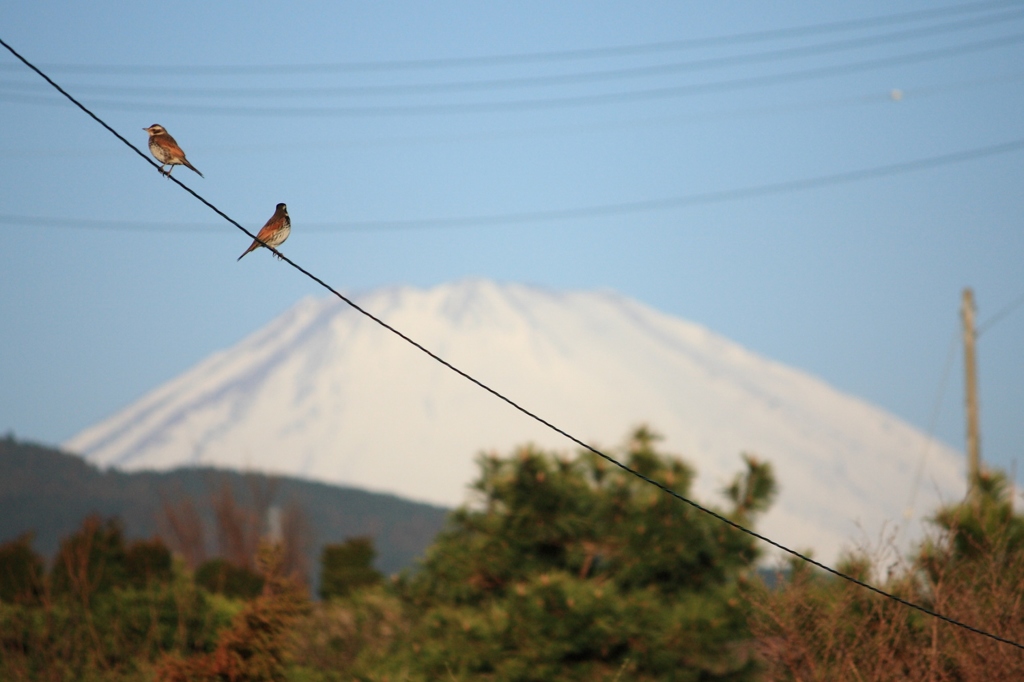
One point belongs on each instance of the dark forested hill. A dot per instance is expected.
(49, 493)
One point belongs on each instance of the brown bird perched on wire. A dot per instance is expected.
(274, 232)
(166, 150)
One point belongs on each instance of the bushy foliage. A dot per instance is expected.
(21, 572)
(569, 568)
(106, 611)
(220, 576)
(147, 562)
(95, 560)
(972, 570)
(90, 561)
(344, 639)
(347, 566)
(255, 647)
(563, 568)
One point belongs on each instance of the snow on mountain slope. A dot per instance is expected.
(324, 393)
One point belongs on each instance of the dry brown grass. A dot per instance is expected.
(972, 570)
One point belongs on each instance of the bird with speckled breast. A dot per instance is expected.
(274, 232)
(166, 150)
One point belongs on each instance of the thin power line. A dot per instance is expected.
(934, 417)
(545, 56)
(542, 103)
(565, 214)
(516, 405)
(933, 420)
(998, 317)
(564, 79)
(876, 97)
(111, 225)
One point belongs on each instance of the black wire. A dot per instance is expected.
(541, 103)
(560, 55)
(522, 409)
(163, 91)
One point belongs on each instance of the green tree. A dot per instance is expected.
(985, 528)
(114, 611)
(91, 560)
(148, 562)
(21, 571)
(346, 566)
(256, 646)
(571, 568)
(95, 559)
(220, 576)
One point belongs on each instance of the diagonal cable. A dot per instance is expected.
(1002, 313)
(523, 410)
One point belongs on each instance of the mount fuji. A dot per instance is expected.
(324, 393)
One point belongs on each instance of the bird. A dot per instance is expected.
(166, 150)
(274, 232)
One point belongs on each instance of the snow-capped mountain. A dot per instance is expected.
(324, 393)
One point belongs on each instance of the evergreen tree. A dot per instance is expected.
(21, 571)
(346, 566)
(570, 568)
(255, 647)
(220, 576)
(90, 561)
(148, 562)
(112, 611)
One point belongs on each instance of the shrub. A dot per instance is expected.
(90, 561)
(347, 566)
(21, 572)
(148, 562)
(818, 627)
(565, 568)
(255, 647)
(222, 577)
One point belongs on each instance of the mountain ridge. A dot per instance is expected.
(323, 392)
(48, 493)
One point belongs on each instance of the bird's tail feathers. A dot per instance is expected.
(251, 248)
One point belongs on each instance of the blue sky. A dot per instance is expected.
(418, 143)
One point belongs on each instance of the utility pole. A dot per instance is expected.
(971, 396)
